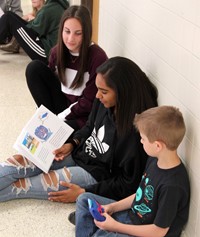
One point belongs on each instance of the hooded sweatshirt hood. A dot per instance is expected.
(63, 3)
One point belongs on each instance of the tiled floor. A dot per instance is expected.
(30, 218)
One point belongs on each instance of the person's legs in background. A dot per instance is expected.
(12, 24)
(45, 87)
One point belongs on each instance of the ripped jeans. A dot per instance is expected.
(19, 178)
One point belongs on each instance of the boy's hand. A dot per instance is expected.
(108, 209)
(108, 224)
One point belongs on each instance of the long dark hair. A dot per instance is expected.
(82, 14)
(134, 91)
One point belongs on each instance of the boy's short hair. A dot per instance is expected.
(163, 123)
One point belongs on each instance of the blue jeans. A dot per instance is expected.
(85, 222)
(19, 178)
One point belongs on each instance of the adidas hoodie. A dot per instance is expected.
(117, 163)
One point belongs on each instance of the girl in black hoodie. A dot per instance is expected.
(105, 157)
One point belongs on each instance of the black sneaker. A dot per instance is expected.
(71, 217)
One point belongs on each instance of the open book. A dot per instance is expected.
(43, 133)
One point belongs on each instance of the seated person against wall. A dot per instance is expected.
(38, 36)
(67, 86)
(104, 157)
(36, 6)
(160, 207)
(13, 6)
(13, 45)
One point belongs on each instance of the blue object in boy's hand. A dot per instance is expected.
(96, 209)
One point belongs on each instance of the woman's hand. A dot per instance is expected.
(68, 195)
(63, 151)
(28, 17)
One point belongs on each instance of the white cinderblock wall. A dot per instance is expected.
(163, 38)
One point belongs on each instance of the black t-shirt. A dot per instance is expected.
(162, 198)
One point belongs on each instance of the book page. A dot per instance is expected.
(44, 133)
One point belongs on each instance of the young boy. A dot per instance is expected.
(160, 206)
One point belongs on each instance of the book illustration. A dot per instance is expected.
(43, 133)
(30, 143)
(43, 117)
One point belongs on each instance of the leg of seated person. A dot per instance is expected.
(45, 87)
(17, 166)
(104, 233)
(10, 23)
(12, 46)
(5, 24)
(39, 186)
(83, 216)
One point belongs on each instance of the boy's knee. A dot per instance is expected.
(83, 198)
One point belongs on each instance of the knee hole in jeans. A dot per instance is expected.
(19, 161)
(21, 184)
(51, 179)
